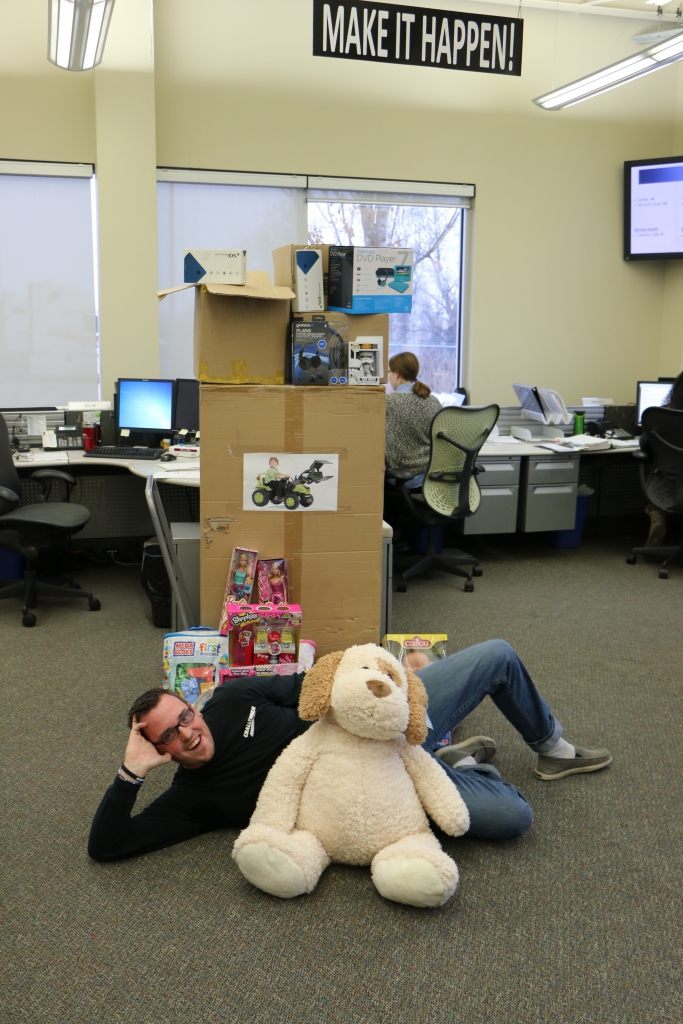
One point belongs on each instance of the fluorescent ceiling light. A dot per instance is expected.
(655, 57)
(77, 31)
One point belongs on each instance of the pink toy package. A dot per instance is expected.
(263, 640)
(240, 580)
(272, 581)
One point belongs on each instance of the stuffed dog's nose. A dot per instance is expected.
(378, 687)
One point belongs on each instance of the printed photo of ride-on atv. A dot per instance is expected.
(283, 489)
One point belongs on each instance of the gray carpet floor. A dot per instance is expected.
(578, 921)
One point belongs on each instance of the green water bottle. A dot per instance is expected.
(578, 422)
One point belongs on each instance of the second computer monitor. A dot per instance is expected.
(145, 405)
(186, 415)
(651, 392)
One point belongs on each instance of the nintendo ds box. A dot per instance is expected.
(221, 266)
(370, 280)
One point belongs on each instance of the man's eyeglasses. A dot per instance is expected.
(172, 734)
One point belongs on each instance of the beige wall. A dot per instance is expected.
(236, 87)
(552, 301)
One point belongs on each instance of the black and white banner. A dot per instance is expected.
(422, 36)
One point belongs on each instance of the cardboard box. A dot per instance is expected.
(334, 558)
(301, 268)
(240, 333)
(284, 262)
(370, 280)
(218, 266)
(358, 327)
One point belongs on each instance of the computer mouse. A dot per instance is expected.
(167, 457)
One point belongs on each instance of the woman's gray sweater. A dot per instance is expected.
(408, 421)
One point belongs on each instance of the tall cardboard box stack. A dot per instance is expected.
(240, 344)
(334, 557)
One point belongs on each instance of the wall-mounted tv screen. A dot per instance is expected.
(653, 209)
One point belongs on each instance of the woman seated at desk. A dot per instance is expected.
(411, 407)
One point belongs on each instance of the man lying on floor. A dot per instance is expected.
(226, 753)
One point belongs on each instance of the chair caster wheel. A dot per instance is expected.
(631, 559)
(94, 605)
(663, 574)
(29, 619)
(477, 570)
(469, 586)
(402, 587)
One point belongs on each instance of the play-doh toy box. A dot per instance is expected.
(192, 662)
(262, 640)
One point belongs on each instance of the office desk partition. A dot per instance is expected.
(114, 491)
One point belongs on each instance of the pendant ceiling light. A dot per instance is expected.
(77, 31)
(652, 59)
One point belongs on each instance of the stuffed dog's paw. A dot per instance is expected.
(280, 863)
(415, 871)
(271, 870)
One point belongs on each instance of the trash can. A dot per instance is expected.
(572, 538)
(156, 583)
(11, 565)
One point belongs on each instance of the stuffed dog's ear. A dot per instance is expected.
(316, 689)
(416, 733)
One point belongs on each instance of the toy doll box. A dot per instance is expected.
(417, 650)
(257, 640)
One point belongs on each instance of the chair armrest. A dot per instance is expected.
(7, 495)
(53, 474)
(399, 474)
(642, 456)
(45, 478)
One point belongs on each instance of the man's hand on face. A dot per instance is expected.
(141, 755)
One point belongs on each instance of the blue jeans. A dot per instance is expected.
(458, 684)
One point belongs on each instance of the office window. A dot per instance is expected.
(200, 215)
(48, 325)
(434, 228)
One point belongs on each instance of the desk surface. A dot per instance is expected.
(503, 449)
(185, 477)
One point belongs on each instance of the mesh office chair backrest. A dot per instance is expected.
(8, 474)
(663, 484)
(457, 434)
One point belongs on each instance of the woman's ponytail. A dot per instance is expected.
(407, 366)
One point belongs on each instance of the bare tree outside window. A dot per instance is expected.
(432, 330)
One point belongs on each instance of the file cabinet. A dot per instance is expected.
(499, 483)
(547, 499)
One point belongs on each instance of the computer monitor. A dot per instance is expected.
(186, 415)
(651, 392)
(145, 405)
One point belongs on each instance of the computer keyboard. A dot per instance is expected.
(122, 451)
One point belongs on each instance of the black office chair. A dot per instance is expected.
(31, 530)
(661, 476)
(450, 490)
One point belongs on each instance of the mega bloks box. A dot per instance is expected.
(192, 662)
(263, 639)
(370, 280)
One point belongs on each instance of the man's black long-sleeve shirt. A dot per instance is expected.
(221, 793)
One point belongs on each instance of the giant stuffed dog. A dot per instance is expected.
(354, 788)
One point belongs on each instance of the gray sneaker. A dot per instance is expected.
(481, 748)
(549, 768)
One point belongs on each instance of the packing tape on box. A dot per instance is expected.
(240, 375)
